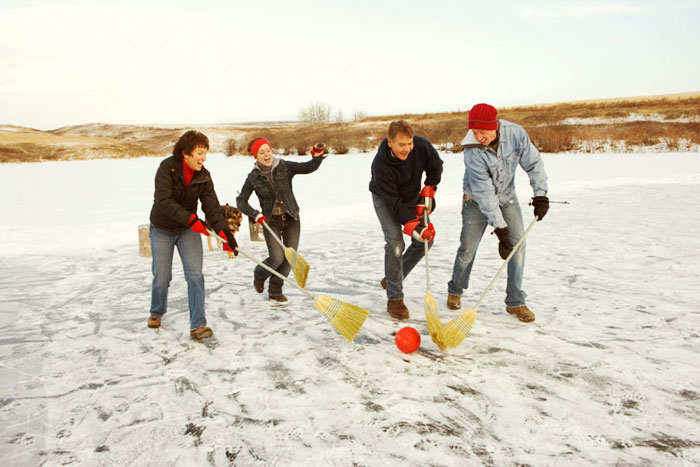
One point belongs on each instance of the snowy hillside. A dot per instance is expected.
(607, 374)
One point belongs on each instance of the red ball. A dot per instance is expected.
(407, 340)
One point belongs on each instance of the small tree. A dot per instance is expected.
(358, 115)
(315, 113)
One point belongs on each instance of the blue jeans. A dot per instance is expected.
(189, 246)
(288, 230)
(397, 263)
(473, 226)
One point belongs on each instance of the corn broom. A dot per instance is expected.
(432, 316)
(456, 330)
(347, 319)
(298, 263)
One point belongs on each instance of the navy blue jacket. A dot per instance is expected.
(398, 182)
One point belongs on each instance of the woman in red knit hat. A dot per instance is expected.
(271, 180)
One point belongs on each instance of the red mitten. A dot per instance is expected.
(319, 150)
(198, 225)
(417, 230)
(231, 244)
(260, 219)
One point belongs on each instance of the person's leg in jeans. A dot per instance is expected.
(473, 226)
(288, 230)
(189, 245)
(162, 247)
(274, 251)
(397, 263)
(515, 296)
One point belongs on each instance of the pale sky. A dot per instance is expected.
(213, 61)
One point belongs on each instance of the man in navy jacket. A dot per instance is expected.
(397, 172)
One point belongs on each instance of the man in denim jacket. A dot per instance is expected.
(493, 149)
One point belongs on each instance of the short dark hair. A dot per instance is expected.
(188, 142)
(400, 126)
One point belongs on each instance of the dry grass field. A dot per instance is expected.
(666, 123)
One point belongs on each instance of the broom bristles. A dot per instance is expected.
(299, 265)
(456, 330)
(347, 319)
(432, 318)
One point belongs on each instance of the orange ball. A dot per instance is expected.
(407, 340)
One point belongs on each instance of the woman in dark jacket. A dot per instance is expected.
(271, 180)
(181, 182)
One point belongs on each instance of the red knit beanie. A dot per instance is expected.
(483, 117)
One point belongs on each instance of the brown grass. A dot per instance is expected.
(445, 130)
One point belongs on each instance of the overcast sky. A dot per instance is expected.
(168, 62)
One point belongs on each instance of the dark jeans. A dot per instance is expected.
(397, 263)
(288, 230)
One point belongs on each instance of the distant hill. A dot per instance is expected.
(647, 123)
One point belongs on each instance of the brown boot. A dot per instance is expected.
(454, 302)
(397, 309)
(383, 283)
(259, 285)
(201, 333)
(280, 297)
(154, 322)
(522, 312)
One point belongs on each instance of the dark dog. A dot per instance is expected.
(233, 217)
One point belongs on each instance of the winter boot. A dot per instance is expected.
(201, 333)
(397, 309)
(154, 321)
(278, 297)
(522, 312)
(454, 302)
(259, 285)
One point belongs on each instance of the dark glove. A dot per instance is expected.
(426, 200)
(504, 244)
(541, 204)
(420, 232)
(231, 244)
(198, 225)
(259, 218)
(319, 150)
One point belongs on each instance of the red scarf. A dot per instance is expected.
(188, 172)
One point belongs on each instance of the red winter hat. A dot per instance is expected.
(483, 117)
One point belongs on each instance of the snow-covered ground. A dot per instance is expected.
(608, 374)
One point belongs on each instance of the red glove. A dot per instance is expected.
(231, 244)
(198, 225)
(260, 219)
(319, 150)
(426, 200)
(417, 230)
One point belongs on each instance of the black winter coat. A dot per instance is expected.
(174, 204)
(398, 182)
(282, 174)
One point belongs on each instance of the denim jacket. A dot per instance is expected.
(489, 177)
(282, 173)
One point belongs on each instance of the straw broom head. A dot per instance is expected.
(456, 330)
(345, 318)
(299, 266)
(432, 317)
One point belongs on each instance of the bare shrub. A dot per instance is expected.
(315, 113)
(358, 115)
(230, 147)
(556, 138)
